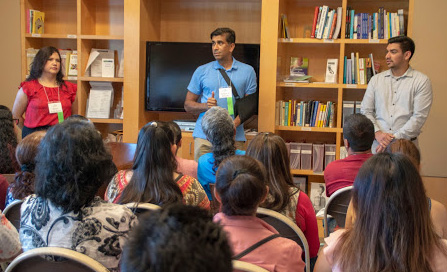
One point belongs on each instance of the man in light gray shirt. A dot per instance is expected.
(398, 100)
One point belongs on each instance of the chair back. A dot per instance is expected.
(9, 177)
(214, 204)
(287, 229)
(12, 213)
(244, 266)
(40, 259)
(141, 208)
(337, 207)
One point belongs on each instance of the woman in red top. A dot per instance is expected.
(44, 97)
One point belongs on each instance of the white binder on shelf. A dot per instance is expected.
(100, 100)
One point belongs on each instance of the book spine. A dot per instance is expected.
(314, 25)
(323, 19)
(338, 26)
(334, 22)
(400, 13)
(357, 68)
(351, 30)
(348, 22)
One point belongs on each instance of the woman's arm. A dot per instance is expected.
(20, 105)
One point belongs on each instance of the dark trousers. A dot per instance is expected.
(27, 130)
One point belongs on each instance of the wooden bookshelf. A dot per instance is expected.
(300, 15)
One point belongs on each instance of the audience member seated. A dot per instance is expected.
(153, 178)
(358, 136)
(241, 185)
(393, 230)
(71, 164)
(26, 152)
(219, 129)
(438, 211)
(284, 197)
(3, 191)
(184, 166)
(175, 239)
(9, 240)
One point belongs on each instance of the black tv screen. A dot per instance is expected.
(170, 65)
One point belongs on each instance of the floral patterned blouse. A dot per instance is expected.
(99, 230)
(9, 239)
(193, 193)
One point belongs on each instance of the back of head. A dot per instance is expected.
(241, 185)
(26, 153)
(406, 43)
(407, 148)
(77, 117)
(177, 238)
(8, 141)
(270, 149)
(358, 130)
(175, 128)
(388, 193)
(218, 127)
(230, 34)
(153, 169)
(71, 164)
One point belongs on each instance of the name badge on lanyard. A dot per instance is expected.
(227, 93)
(56, 107)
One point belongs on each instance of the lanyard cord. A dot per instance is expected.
(58, 95)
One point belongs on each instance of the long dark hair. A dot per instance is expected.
(393, 230)
(39, 62)
(271, 150)
(241, 184)
(26, 152)
(153, 168)
(8, 142)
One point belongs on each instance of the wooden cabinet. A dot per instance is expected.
(186, 151)
(275, 63)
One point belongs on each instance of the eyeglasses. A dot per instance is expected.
(16, 121)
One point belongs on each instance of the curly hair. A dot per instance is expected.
(26, 152)
(218, 127)
(8, 142)
(72, 163)
(153, 168)
(39, 62)
(177, 238)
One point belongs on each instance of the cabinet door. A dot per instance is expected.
(187, 149)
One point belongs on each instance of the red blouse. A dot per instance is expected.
(37, 113)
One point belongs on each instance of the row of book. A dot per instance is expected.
(310, 156)
(359, 70)
(379, 25)
(326, 23)
(35, 21)
(305, 113)
(69, 60)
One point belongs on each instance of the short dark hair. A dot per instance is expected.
(177, 238)
(71, 164)
(241, 183)
(406, 43)
(359, 131)
(229, 33)
(40, 61)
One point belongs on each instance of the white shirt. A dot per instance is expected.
(398, 105)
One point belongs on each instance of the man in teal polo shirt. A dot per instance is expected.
(208, 88)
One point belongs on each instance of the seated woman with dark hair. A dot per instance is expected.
(26, 152)
(71, 164)
(393, 230)
(284, 197)
(153, 178)
(241, 185)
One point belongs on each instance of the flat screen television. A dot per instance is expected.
(170, 65)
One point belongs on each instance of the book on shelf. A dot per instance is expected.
(65, 54)
(338, 24)
(30, 55)
(297, 79)
(299, 66)
(314, 24)
(35, 21)
(348, 109)
(73, 64)
(284, 27)
(359, 70)
(94, 67)
(305, 113)
(331, 71)
(322, 22)
(318, 197)
(358, 107)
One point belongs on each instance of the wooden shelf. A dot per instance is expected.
(106, 121)
(308, 85)
(103, 79)
(308, 40)
(354, 86)
(309, 129)
(51, 36)
(365, 41)
(305, 172)
(101, 37)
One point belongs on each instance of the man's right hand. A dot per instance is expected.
(211, 102)
(384, 139)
